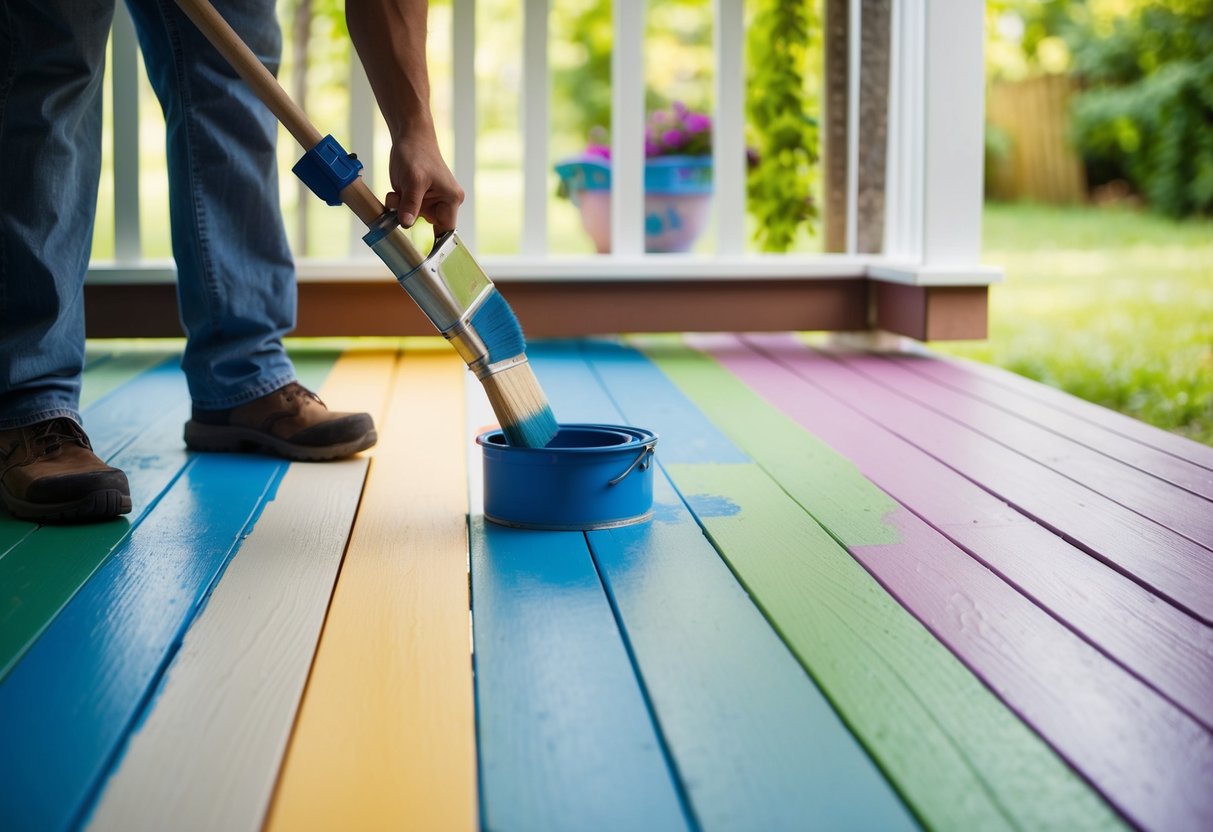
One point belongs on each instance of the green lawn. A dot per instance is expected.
(1113, 305)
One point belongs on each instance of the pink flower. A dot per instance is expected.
(600, 151)
(698, 123)
(672, 138)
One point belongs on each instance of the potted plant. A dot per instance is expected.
(677, 181)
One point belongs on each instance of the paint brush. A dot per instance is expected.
(449, 286)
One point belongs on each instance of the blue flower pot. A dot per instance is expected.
(677, 197)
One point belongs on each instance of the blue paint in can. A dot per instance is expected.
(588, 477)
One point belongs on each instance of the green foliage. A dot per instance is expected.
(1147, 112)
(781, 130)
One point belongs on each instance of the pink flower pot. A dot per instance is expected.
(672, 222)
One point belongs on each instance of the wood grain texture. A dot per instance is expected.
(566, 738)
(67, 706)
(385, 737)
(1108, 419)
(1180, 472)
(1073, 696)
(1166, 504)
(755, 743)
(207, 755)
(958, 756)
(1165, 562)
(1162, 645)
(103, 376)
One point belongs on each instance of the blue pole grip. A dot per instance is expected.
(327, 169)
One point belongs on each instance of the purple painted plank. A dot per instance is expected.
(1154, 767)
(1110, 420)
(1180, 472)
(1164, 503)
(1170, 565)
(1163, 646)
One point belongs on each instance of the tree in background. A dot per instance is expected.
(1145, 113)
(1148, 105)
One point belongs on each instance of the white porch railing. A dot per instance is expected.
(934, 159)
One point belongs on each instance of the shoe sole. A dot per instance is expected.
(105, 504)
(235, 440)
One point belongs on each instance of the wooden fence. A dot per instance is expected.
(1039, 164)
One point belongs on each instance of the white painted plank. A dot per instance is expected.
(207, 756)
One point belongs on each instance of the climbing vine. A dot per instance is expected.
(781, 130)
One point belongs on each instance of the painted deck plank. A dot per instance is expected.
(1166, 504)
(385, 737)
(66, 707)
(755, 743)
(1165, 466)
(1163, 561)
(231, 694)
(1162, 645)
(104, 376)
(1075, 697)
(956, 753)
(1106, 418)
(43, 567)
(566, 738)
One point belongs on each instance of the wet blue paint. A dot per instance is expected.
(711, 505)
(66, 707)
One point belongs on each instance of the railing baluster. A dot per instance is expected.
(854, 68)
(728, 126)
(463, 109)
(128, 245)
(363, 115)
(627, 129)
(535, 126)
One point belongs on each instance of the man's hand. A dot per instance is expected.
(422, 184)
(390, 38)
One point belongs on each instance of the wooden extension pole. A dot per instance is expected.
(356, 196)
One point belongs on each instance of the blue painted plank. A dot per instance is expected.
(784, 760)
(564, 737)
(67, 706)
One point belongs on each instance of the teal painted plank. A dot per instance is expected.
(564, 737)
(66, 707)
(755, 742)
(959, 757)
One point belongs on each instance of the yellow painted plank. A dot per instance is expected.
(386, 735)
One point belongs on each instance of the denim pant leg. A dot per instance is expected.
(52, 54)
(235, 272)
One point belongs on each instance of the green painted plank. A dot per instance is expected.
(958, 755)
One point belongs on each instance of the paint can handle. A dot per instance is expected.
(641, 462)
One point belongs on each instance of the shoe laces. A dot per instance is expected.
(51, 435)
(295, 390)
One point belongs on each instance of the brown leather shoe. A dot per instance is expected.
(49, 473)
(291, 422)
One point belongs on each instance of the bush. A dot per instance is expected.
(1148, 105)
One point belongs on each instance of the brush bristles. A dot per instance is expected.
(521, 407)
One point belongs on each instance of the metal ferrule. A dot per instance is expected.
(483, 370)
(448, 285)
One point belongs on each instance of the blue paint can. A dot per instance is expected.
(587, 477)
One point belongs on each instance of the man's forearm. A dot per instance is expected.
(390, 38)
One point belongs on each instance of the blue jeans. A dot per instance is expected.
(235, 272)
